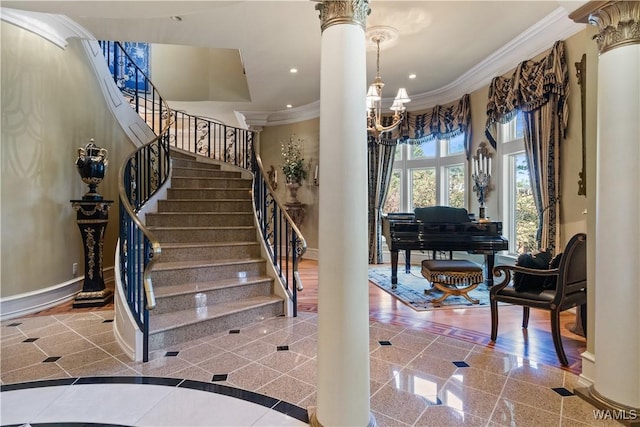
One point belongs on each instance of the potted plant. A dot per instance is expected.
(293, 166)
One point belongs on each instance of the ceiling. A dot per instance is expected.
(453, 47)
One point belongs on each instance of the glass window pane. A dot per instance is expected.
(524, 211)
(398, 154)
(424, 150)
(455, 185)
(454, 145)
(423, 188)
(519, 125)
(392, 203)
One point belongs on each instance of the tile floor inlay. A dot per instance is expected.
(417, 376)
(562, 391)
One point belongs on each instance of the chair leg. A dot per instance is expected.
(557, 340)
(494, 319)
(583, 318)
(525, 317)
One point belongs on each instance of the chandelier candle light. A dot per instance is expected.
(481, 174)
(375, 126)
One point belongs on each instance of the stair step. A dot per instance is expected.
(199, 219)
(175, 272)
(198, 294)
(188, 163)
(173, 328)
(201, 172)
(210, 250)
(194, 205)
(209, 193)
(204, 234)
(208, 182)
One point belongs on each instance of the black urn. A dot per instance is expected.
(92, 164)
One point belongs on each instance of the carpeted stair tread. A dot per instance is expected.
(194, 287)
(181, 265)
(176, 319)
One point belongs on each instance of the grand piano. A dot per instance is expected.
(441, 228)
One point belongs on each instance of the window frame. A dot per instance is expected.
(509, 145)
(440, 162)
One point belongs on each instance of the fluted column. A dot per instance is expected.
(617, 254)
(343, 302)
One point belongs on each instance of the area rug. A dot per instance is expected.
(411, 290)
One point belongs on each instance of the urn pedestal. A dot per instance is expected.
(92, 217)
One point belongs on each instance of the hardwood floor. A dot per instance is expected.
(473, 324)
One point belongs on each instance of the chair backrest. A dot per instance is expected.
(573, 268)
(442, 214)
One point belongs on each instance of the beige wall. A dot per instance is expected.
(270, 144)
(51, 105)
(189, 73)
(572, 205)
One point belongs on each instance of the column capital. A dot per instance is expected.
(618, 22)
(334, 12)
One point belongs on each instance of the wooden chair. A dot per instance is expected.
(570, 291)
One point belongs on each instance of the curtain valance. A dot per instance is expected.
(441, 122)
(530, 87)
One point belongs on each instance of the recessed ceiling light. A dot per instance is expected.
(412, 76)
(293, 70)
(289, 105)
(176, 18)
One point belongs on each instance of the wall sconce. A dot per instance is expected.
(272, 174)
(316, 177)
(481, 174)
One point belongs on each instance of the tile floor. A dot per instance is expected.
(265, 374)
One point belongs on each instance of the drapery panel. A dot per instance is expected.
(380, 169)
(438, 123)
(540, 90)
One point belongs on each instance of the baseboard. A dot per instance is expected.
(32, 302)
(586, 378)
(311, 254)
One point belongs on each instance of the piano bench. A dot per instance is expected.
(453, 277)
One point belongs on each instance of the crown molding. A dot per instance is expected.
(533, 41)
(54, 28)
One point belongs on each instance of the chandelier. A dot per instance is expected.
(375, 126)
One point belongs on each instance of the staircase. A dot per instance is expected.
(210, 276)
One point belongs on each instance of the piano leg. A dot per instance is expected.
(407, 262)
(394, 268)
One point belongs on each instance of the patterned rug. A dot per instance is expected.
(411, 290)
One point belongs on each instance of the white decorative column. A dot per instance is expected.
(343, 297)
(617, 252)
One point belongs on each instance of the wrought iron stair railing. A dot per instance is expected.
(147, 169)
(141, 175)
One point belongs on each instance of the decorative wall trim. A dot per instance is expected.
(55, 28)
(533, 41)
(32, 302)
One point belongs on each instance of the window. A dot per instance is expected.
(519, 214)
(428, 174)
